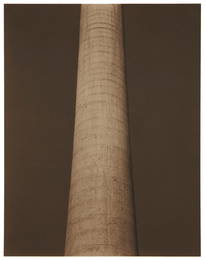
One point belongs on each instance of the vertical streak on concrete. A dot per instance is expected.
(101, 212)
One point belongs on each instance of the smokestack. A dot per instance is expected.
(101, 218)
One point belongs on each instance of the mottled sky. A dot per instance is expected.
(162, 47)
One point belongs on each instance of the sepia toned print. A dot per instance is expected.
(102, 130)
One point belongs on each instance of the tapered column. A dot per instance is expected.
(101, 213)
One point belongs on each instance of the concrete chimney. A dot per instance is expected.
(101, 218)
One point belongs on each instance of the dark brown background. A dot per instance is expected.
(162, 44)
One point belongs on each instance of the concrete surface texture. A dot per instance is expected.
(101, 218)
